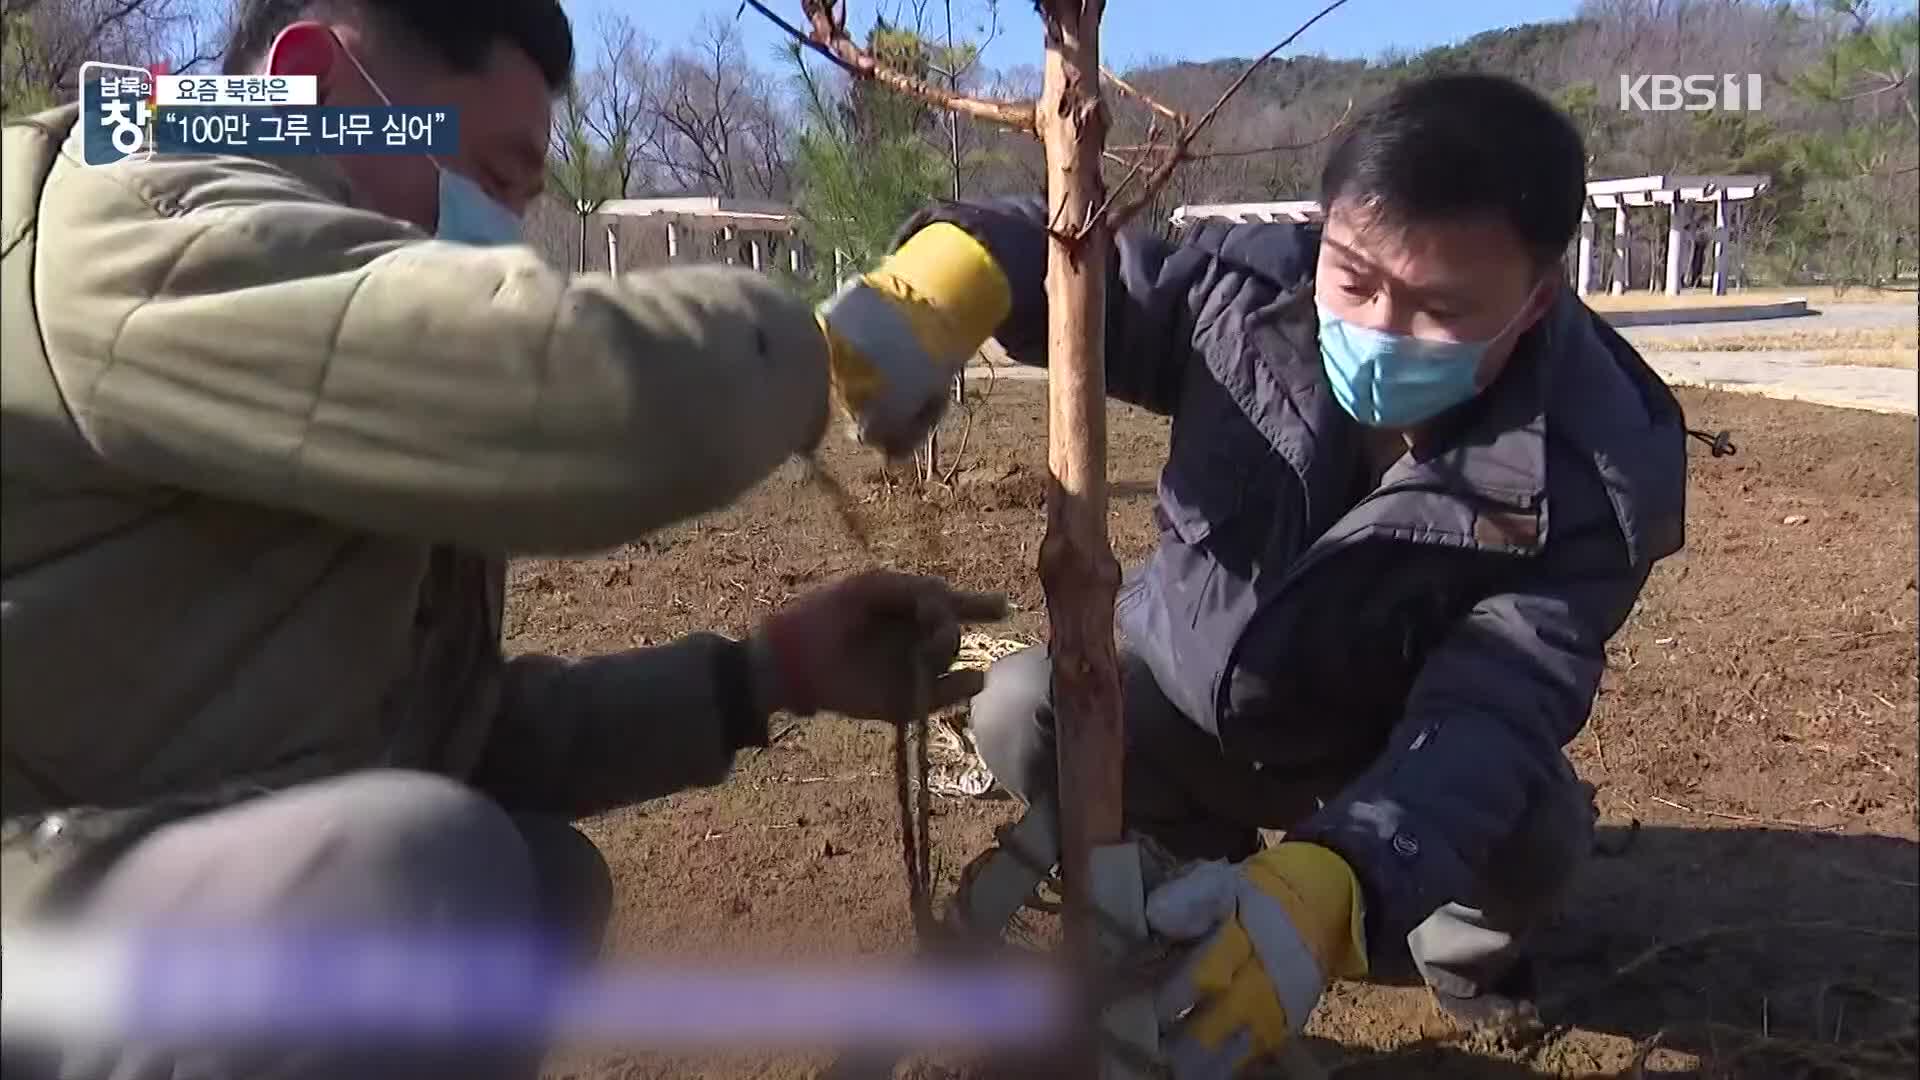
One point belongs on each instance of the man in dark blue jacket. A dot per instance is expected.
(1414, 485)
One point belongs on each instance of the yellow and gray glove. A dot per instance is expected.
(1273, 930)
(898, 335)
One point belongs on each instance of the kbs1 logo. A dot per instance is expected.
(1691, 93)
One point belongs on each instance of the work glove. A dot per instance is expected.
(898, 335)
(877, 646)
(1272, 931)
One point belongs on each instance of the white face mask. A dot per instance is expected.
(467, 214)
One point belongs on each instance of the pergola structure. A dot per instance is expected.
(1684, 197)
(1298, 211)
(691, 218)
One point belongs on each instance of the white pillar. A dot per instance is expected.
(1654, 283)
(726, 243)
(839, 267)
(1620, 263)
(673, 242)
(1737, 248)
(793, 256)
(1676, 243)
(1583, 270)
(754, 251)
(1720, 242)
(613, 252)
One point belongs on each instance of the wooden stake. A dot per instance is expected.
(1077, 567)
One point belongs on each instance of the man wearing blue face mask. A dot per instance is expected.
(1414, 485)
(273, 427)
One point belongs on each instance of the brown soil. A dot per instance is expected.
(1753, 746)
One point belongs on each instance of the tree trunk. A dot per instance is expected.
(953, 161)
(1077, 568)
(583, 241)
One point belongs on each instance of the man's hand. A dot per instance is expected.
(876, 646)
(1276, 928)
(897, 336)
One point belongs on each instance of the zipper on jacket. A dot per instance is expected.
(1318, 552)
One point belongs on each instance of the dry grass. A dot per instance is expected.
(1880, 346)
(956, 769)
(978, 651)
(1812, 294)
(1881, 358)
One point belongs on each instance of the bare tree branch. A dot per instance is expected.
(715, 123)
(1149, 169)
(1165, 171)
(65, 34)
(829, 36)
(1126, 181)
(65, 60)
(801, 36)
(1179, 119)
(618, 94)
(1884, 88)
(205, 55)
(119, 13)
(1252, 151)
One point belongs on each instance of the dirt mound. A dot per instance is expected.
(1753, 747)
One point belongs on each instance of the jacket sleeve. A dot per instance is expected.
(244, 337)
(576, 737)
(1163, 299)
(1480, 745)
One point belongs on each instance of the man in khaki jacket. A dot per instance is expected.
(268, 443)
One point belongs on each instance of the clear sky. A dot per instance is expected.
(1135, 29)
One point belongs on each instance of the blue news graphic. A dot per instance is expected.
(119, 119)
(214, 983)
(115, 110)
(307, 129)
(507, 987)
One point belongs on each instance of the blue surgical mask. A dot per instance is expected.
(1395, 381)
(467, 214)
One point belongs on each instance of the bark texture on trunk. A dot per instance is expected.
(1077, 568)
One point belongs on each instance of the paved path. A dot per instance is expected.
(1789, 376)
(1793, 376)
(1823, 317)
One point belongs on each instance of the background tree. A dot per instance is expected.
(20, 93)
(861, 167)
(584, 171)
(1853, 218)
(1837, 127)
(868, 156)
(44, 42)
(616, 102)
(721, 128)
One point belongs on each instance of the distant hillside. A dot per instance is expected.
(1842, 204)
(1522, 52)
(1836, 133)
